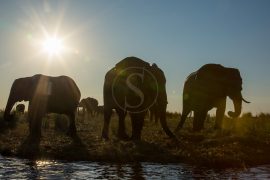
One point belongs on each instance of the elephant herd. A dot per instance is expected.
(135, 87)
(90, 107)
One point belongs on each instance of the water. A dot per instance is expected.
(13, 168)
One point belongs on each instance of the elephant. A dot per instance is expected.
(100, 110)
(133, 86)
(45, 94)
(89, 106)
(208, 88)
(154, 113)
(20, 108)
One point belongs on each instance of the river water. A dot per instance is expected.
(13, 168)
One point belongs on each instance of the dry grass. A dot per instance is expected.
(243, 142)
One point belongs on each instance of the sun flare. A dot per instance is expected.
(53, 46)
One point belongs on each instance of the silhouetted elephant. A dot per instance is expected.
(154, 113)
(208, 88)
(89, 106)
(20, 108)
(134, 86)
(45, 95)
(100, 110)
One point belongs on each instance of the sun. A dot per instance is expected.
(53, 46)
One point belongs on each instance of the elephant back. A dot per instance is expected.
(216, 74)
(211, 72)
(92, 102)
(131, 62)
(212, 76)
(134, 81)
(206, 83)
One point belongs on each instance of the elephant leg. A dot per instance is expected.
(83, 111)
(90, 113)
(72, 131)
(35, 121)
(151, 116)
(137, 120)
(156, 116)
(107, 117)
(182, 119)
(85, 116)
(220, 113)
(93, 113)
(199, 118)
(78, 112)
(35, 128)
(121, 127)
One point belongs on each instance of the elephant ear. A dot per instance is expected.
(159, 74)
(234, 79)
(161, 83)
(212, 79)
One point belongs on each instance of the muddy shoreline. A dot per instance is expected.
(207, 148)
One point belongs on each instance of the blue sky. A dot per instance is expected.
(179, 36)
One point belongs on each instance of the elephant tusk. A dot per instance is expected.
(245, 100)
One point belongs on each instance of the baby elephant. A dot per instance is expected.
(20, 108)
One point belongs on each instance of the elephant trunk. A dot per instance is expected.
(237, 107)
(8, 108)
(163, 123)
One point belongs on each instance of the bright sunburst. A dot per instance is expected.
(53, 46)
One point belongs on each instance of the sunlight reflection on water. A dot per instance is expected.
(13, 168)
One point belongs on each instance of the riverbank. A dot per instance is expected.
(243, 143)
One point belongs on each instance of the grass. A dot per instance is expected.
(242, 142)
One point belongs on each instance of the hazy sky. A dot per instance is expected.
(179, 36)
